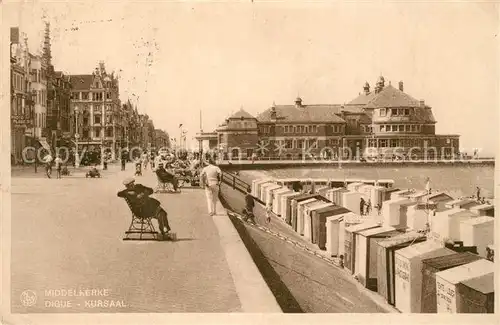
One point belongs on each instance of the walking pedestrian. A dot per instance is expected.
(211, 177)
(58, 163)
(48, 165)
(249, 205)
(368, 207)
(123, 159)
(152, 160)
(362, 204)
(105, 161)
(478, 193)
(145, 159)
(379, 208)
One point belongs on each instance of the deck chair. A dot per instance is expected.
(164, 187)
(140, 226)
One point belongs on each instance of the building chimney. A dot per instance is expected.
(298, 102)
(380, 84)
(401, 86)
(273, 112)
(366, 88)
(422, 103)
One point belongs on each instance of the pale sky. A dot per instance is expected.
(218, 57)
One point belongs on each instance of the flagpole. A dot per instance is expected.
(428, 189)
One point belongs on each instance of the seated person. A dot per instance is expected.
(144, 206)
(166, 177)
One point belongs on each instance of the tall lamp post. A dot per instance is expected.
(33, 97)
(175, 143)
(184, 139)
(104, 116)
(77, 136)
(103, 129)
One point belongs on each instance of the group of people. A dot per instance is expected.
(365, 207)
(145, 206)
(50, 162)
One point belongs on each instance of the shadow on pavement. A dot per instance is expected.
(283, 296)
(184, 239)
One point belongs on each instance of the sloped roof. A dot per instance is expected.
(305, 113)
(81, 81)
(241, 114)
(452, 260)
(484, 283)
(353, 109)
(362, 99)
(392, 97)
(424, 115)
(467, 271)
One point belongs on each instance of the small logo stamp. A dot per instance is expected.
(28, 298)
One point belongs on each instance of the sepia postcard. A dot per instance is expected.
(176, 162)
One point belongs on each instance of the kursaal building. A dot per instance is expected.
(385, 122)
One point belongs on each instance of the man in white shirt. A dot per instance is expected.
(210, 178)
(58, 163)
(48, 164)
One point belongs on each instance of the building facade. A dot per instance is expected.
(59, 109)
(38, 77)
(383, 123)
(207, 141)
(131, 126)
(97, 111)
(238, 135)
(21, 105)
(82, 112)
(161, 140)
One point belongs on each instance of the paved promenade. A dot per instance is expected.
(67, 235)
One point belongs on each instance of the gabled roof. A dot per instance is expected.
(392, 97)
(241, 114)
(81, 81)
(362, 99)
(305, 113)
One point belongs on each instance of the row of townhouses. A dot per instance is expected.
(51, 109)
(384, 119)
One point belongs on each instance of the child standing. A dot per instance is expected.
(58, 164)
(269, 209)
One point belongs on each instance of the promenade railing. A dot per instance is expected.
(235, 182)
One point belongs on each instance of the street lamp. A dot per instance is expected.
(175, 143)
(77, 136)
(183, 143)
(34, 120)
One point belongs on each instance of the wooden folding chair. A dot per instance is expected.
(143, 226)
(163, 187)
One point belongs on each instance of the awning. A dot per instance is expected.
(44, 144)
